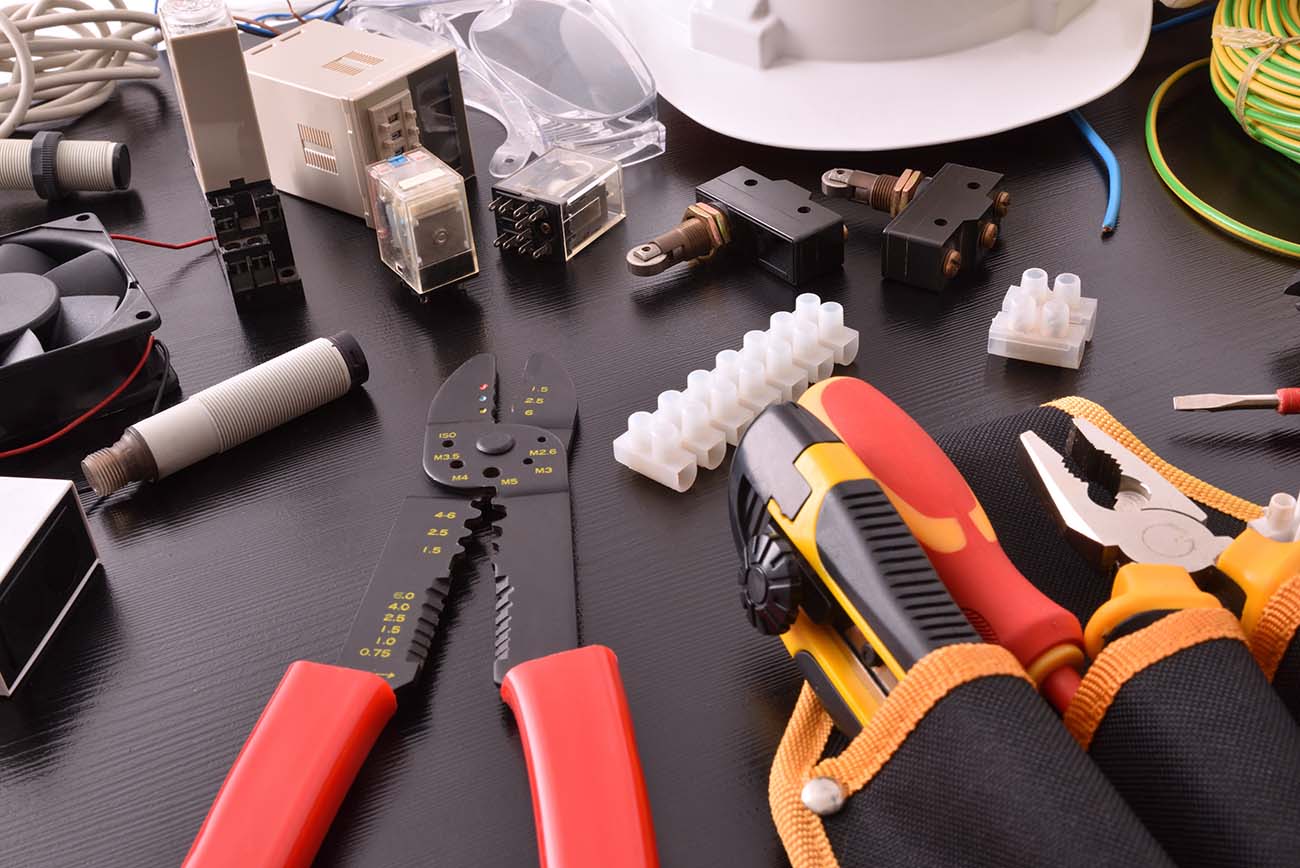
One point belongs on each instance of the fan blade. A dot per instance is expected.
(20, 257)
(91, 273)
(81, 315)
(26, 346)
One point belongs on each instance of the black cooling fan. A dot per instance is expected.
(73, 324)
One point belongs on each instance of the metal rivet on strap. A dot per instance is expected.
(823, 796)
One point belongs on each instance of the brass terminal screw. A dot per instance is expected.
(989, 236)
(1001, 203)
(951, 264)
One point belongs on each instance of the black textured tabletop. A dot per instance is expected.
(221, 576)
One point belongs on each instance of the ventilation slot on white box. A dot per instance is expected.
(353, 63)
(317, 149)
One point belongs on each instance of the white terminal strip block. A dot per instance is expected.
(1281, 519)
(691, 429)
(1050, 327)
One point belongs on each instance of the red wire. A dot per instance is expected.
(31, 447)
(135, 239)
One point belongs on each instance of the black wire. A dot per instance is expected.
(162, 384)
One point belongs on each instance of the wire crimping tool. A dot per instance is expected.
(1167, 558)
(589, 799)
(831, 567)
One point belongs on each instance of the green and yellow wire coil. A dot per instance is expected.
(1255, 71)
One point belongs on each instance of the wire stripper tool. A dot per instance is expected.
(830, 565)
(508, 480)
(1154, 537)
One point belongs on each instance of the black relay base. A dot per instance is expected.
(249, 225)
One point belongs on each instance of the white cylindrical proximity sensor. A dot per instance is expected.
(229, 413)
(53, 166)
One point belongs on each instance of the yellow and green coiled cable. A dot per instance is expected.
(1270, 110)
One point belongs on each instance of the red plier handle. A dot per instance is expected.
(589, 799)
(289, 779)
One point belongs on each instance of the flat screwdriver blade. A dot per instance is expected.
(1216, 402)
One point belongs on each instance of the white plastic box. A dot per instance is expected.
(332, 100)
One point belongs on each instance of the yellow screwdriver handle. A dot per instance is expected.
(1258, 565)
(1139, 589)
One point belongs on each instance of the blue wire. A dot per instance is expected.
(256, 31)
(1103, 151)
(325, 16)
(1107, 156)
(1194, 15)
(328, 16)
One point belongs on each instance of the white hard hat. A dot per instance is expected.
(865, 75)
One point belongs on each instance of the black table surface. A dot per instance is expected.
(221, 576)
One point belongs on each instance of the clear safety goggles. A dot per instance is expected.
(553, 73)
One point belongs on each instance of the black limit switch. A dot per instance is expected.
(772, 223)
(943, 226)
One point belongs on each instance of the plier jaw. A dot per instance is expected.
(515, 472)
(1151, 520)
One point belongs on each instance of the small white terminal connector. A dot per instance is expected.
(1281, 519)
(691, 428)
(1050, 327)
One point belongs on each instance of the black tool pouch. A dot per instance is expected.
(963, 765)
(1179, 716)
(1175, 750)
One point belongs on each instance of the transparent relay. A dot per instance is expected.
(422, 220)
(557, 205)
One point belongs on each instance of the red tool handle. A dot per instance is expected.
(589, 800)
(1001, 603)
(1288, 401)
(290, 778)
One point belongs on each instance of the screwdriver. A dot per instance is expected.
(946, 518)
(1284, 401)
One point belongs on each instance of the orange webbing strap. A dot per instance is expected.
(929, 681)
(800, 829)
(1196, 489)
(1129, 655)
(1276, 627)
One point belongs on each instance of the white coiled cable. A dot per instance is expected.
(54, 78)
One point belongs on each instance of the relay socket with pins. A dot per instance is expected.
(557, 205)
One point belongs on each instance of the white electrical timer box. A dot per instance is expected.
(332, 100)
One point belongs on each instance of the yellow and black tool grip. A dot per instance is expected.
(874, 562)
(865, 578)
